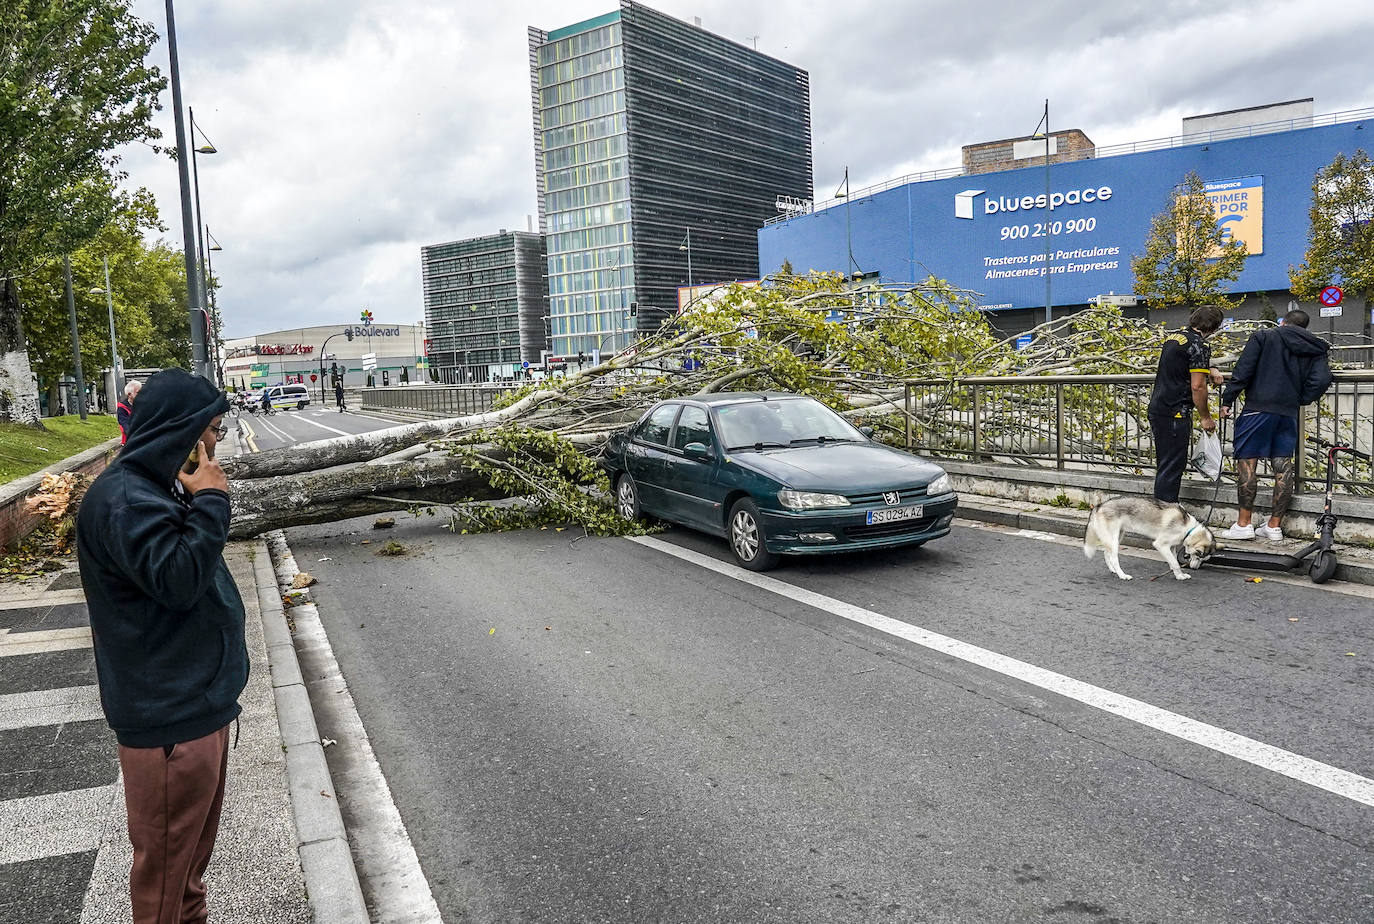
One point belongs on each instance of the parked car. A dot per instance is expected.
(775, 474)
(288, 396)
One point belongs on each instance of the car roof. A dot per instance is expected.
(739, 397)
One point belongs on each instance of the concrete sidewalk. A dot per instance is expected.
(64, 848)
(1356, 563)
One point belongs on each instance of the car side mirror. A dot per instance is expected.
(698, 452)
(866, 431)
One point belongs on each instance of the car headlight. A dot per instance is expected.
(941, 485)
(810, 500)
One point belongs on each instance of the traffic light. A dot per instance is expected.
(581, 358)
(348, 333)
(634, 309)
(334, 369)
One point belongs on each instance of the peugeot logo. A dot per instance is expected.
(892, 498)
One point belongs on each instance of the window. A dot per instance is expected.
(694, 426)
(655, 429)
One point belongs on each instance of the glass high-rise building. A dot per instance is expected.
(646, 128)
(485, 305)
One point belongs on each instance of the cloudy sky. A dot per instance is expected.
(351, 133)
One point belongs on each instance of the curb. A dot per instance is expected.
(1065, 525)
(331, 880)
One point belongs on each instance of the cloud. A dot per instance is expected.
(351, 134)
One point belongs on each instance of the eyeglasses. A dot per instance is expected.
(221, 432)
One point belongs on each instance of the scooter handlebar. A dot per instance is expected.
(1338, 447)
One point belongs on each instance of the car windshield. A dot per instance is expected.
(782, 422)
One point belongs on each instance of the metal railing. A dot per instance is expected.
(1101, 422)
(445, 400)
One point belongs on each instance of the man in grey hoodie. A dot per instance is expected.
(1280, 370)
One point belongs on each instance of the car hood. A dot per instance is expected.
(840, 468)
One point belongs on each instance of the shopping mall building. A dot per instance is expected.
(285, 356)
(1020, 232)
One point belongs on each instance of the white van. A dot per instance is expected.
(288, 396)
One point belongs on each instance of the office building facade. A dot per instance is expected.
(648, 131)
(486, 305)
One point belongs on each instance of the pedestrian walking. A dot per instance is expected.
(1280, 370)
(124, 410)
(339, 396)
(167, 624)
(1185, 365)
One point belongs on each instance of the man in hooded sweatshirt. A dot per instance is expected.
(1280, 369)
(168, 628)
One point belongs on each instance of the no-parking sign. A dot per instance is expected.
(1330, 299)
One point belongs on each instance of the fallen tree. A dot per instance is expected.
(853, 349)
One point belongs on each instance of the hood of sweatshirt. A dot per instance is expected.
(1301, 342)
(170, 414)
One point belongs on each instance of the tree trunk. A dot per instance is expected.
(321, 497)
(347, 450)
(18, 389)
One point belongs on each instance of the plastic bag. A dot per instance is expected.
(1207, 455)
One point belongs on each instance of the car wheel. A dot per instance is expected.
(300, 406)
(746, 537)
(627, 499)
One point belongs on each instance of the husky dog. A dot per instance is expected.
(1169, 526)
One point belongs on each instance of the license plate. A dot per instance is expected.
(894, 514)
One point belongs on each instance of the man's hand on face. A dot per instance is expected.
(207, 475)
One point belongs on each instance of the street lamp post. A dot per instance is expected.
(114, 347)
(199, 363)
(687, 246)
(76, 336)
(214, 310)
(1045, 119)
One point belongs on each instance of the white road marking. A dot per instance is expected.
(383, 853)
(49, 707)
(40, 597)
(315, 423)
(1292, 578)
(1294, 766)
(276, 431)
(22, 643)
(54, 824)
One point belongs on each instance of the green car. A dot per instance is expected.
(775, 474)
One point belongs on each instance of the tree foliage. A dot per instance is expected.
(74, 86)
(1340, 240)
(148, 286)
(1188, 259)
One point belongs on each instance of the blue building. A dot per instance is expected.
(991, 232)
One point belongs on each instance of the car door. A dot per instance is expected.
(646, 454)
(691, 487)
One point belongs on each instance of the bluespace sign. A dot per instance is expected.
(988, 232)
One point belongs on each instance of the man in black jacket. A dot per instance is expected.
(168, 628)
(1185, 365)
(1280, 370)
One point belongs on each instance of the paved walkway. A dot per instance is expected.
(64, 847)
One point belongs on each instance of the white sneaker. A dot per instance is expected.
(1236, 531)
(1272, 533)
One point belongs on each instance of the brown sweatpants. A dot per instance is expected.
(174, 802)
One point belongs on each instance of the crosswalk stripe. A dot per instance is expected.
(22, 643)
(54, 824)
(49, 707)
(41, 598)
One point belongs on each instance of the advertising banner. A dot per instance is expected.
(1066, 233)
(1239, 204)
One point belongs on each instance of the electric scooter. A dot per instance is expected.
(1323, 564)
